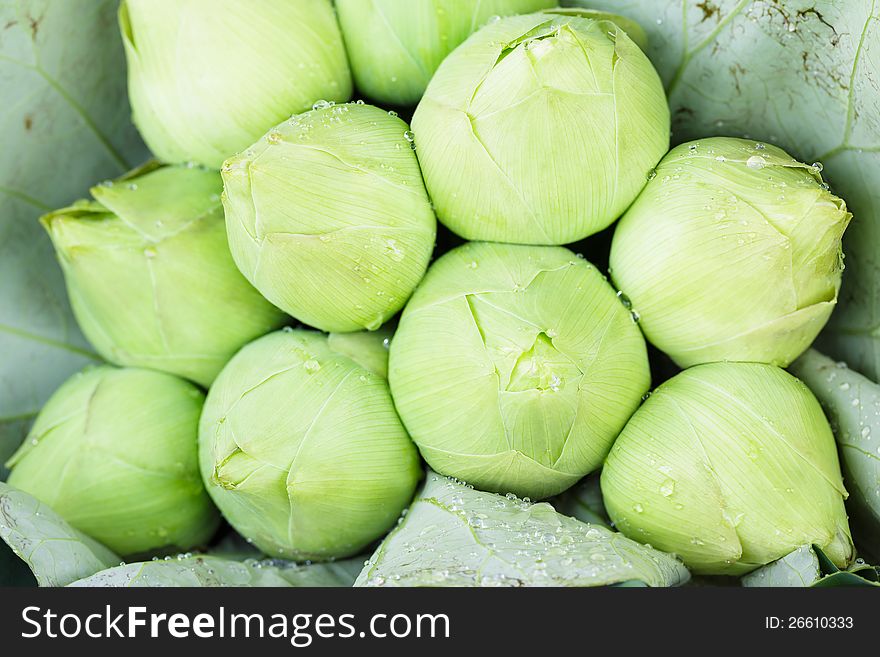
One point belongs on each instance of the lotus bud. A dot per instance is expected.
(515, 367)
(540, 129)
(206, 78)
(328, 217)
(395, 46)
(150, 276)
(114, 452)
(302, 451)
(731, 252)
(730, 466)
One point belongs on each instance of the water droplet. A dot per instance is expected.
(150, 252)
(392, 113)
(756, 162)
(638, 508)
(817, 167)
(311, 366)
(667, 488)
(322, 104)
(652, 174)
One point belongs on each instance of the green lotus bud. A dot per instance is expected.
(114, 452)
(540, 129)
(731, 252)
(395, 46)
(150, 276)
(302, 450)
(515, 367)
(206, 78)
(328, 217)
(730, 466)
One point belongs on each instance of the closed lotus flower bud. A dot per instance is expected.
(150, 276)
(540, 129)
(206, 78)
(302, 450)
(515, 367)
(328, 217)
(114, 452)
(731, 252)
(730, 466)
(396, 45)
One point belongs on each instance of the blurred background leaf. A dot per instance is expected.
(65, 122)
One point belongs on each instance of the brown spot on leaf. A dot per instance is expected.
(28, 122)
(709, 10)
(34, 25)
(804, 13)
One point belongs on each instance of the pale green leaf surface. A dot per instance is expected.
(211, 571)
(65, 125)
(798, 569)
(800, 74)
(808, 566)
(454, 535)
(852, 404)
(56, 553)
